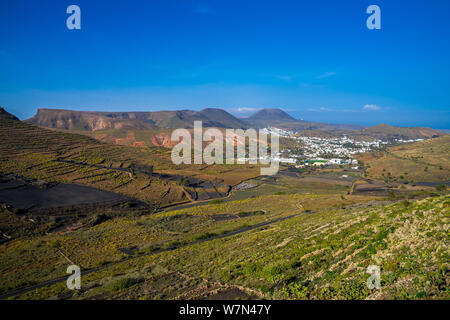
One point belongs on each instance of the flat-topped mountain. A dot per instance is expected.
(94, 121)
(213, 117)
(224, 118)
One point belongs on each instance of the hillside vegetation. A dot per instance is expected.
(145, 173)
(427, 160)
(305, 233)
(320, 255)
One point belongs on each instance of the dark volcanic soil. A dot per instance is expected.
(29, 195)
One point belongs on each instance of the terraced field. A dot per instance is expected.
(297, 235)
(143, 173)
(320, 255)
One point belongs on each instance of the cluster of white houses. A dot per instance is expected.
(343, 147)
(314, 149)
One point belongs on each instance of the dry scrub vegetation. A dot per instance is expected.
(320, 255)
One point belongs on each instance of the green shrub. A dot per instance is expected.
(253, 268)
(250, 213)
(128, 204)
(296, 291)
(274, 272)
(124, 283)
(328, 293)
(56, 244)
(183, 181)
(355, 290)
(205, 235)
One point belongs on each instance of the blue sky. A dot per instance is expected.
(315, 59)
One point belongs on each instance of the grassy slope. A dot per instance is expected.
(427, 160)
(320, 255)
(31, 151)
(323, 253)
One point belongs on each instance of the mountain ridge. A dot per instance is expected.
(100, 120)
(212, 117)
(7, 115)
(385, 131)
(273, 113)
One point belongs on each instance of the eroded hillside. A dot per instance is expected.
(144, 173)
(423, 161)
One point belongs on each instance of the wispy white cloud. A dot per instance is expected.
(324, 109)
(326, 75)
(246, 109)
(371, 107)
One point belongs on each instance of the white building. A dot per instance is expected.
(335, 161)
